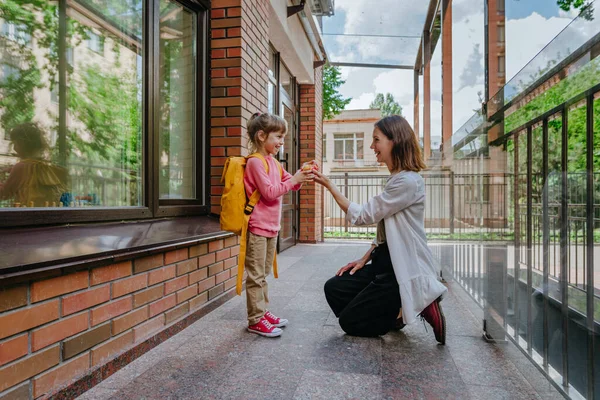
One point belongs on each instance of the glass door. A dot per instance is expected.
(289, 161)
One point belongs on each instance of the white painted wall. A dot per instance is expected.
(289, 38)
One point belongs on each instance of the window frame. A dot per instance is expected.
(355, 139)
(152, 206)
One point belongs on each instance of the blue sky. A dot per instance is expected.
(531, 24)
(517, 9)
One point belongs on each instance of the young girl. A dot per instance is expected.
(33, 181)
(401, 272)
(266, 135)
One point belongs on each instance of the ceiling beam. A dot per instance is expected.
(365, 65)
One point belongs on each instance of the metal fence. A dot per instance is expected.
(525, 244)
(458, 206)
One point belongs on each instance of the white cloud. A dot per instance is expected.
(363, 18)
(362, 102)
(524, 39)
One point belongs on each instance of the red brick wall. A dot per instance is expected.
(311, 148)
(56, 329)
(239, 67)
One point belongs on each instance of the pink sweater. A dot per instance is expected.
(266, 217)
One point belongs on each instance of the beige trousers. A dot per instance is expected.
(260, 252)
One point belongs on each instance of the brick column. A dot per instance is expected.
(426, 96)
(239, 68)
(311, 148)
(416, 104)
(447, 81)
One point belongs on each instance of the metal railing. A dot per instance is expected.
(524, 244)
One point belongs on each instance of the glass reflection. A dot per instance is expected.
(79, 92)
(177, 105)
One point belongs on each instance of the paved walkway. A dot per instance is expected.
(216, 358)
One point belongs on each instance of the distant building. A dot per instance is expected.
(346, 142)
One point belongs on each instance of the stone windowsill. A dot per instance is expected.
(27, 250)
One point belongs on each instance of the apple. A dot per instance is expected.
(310, 167)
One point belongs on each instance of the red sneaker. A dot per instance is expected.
(275, 321)
(434, 315)
(264, 328)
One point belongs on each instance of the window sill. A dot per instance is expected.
(27, 250)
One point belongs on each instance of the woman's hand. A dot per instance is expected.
(321, 179)
(353, 266)
(310, 165)
(302, 176)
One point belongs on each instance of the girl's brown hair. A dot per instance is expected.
(263, 122)
(30, 139)
(406, 151)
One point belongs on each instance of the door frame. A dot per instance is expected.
(289, 102)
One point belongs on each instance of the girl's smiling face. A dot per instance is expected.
(272, 142)
(382, 146)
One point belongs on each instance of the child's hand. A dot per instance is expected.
(302, 176)
(310, 166)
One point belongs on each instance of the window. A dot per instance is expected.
(501, 66)
(500, 5)
(124, 137)
(348, 146)
(286, 81)
(177, 73)
(16, 32)
(500, 32)
(324, 147)
(10, 72)
(95, 43)
(272, 83)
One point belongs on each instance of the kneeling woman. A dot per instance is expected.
(367, 297)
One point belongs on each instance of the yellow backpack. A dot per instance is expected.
(236, 207)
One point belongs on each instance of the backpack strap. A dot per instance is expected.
(254, 198)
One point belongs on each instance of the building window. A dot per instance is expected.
(285, 80)
(324, 147)
(9, 72)
(95, 43)
(501, 66)
(348, 146)
(500, 32)
(16, 32)
(124, 138)
(500, 5)
(177, 73)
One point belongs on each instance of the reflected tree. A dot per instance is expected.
(387, 104)
(103, 101)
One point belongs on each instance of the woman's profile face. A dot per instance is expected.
(382, 146)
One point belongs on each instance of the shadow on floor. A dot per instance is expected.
(215, 358)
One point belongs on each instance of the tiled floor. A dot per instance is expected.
(216, 358)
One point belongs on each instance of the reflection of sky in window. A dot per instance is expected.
(127, 15)
(572, 37)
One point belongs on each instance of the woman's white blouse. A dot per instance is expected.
(401, 206)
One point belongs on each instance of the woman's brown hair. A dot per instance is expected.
(406, 152)
(263, 122)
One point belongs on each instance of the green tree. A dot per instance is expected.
(386, 104)
(584, 6)
(333, 101)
